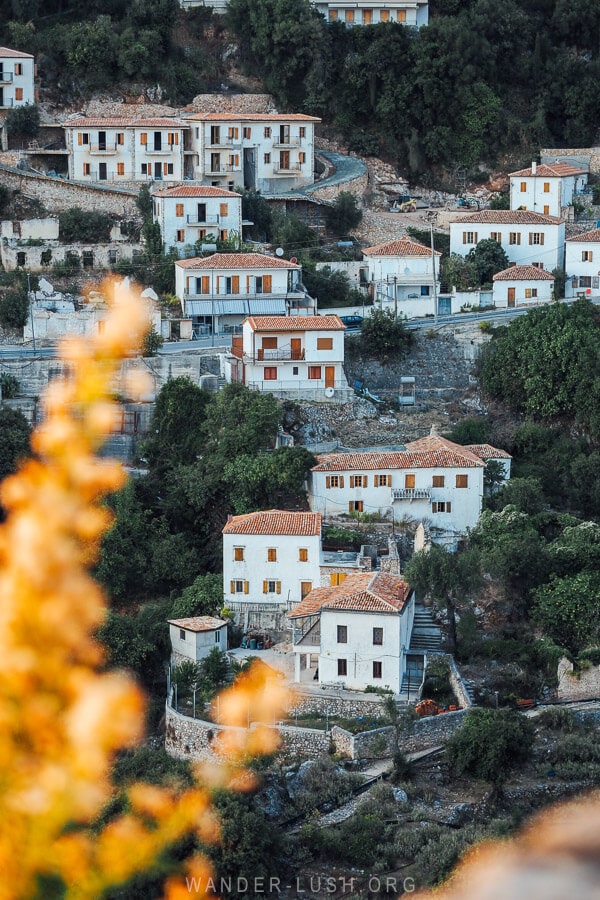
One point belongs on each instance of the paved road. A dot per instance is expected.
(347, 168)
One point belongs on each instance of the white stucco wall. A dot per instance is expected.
(576, 266)
(12, 81)
(550, 253)
(197, 644)
(223, 216)
(131, 153)
(543, 288)
(544, 195)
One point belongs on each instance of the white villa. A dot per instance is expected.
(292, 356)
(432, 480)
(17, 72)
(190, 213)
(117, 149)
(220, 291)
(271, 153)
(193, 638)
(371, 12)
(529, 238)
(521, 286)
(582, 264)
(546, 189)
(359, 632)
(405, 276)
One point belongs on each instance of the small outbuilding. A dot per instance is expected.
(193, 638)
(522, 286)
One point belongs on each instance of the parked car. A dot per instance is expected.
(352, 322)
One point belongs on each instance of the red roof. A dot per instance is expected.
(194, 190)
(588, 237)
(400, 248)
(121, 122)
(7, 52)
(236, 261)
(295, 323)
(508, 217)
(275, 521)
(556, 170)
(523, 273)
(429, 452)
(252, 117)
(371, 592)
(198, 623)
(486, 451)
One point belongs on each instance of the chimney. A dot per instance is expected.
(533, 168)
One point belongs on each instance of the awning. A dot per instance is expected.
(216, 307)
(267, 306)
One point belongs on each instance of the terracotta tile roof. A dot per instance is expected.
(252, 117)
(426, 453)
(7, 52)
(371, 592)
(275, 521)
(508, 217)
(523, 273)
(587, 237)
(486, 451)
(198, 623)
(556, 170)
(400, 248)
(120, 122)
(194, 190)
(236, 261)
(295, 323)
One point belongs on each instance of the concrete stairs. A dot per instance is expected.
(426, 635)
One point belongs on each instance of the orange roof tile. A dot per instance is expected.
(429, 452)
(371, 592)
(198, 623)
(400, 248)
(275, 521)
(194, 190)
(236, 261)
(508, 217)
(252, 117)
(7, 52)
(556, 170)
(587, 237)
(295, 323)
(486, 451)
(523, 273)
(121, 122)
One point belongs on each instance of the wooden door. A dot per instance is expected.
(329, 376)
(296, 348)
(511, 296)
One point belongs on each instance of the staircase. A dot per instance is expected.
(426, 635)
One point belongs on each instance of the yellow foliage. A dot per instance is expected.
(61, 717)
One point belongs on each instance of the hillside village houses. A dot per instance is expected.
(291, 357)
(370, 12)
(17, 73)
(547, 189)
(582, 264)
(359, 631)
(528, 238)
(193, 638)
(404, 276)
(219, 291)
(188, 213)
(522, 285)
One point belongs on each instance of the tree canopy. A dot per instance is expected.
(491, 744)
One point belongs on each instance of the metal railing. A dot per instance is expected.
(278, 353)
(411, 493)
(207, 220)
(6, 77)
(292, 167)
(103, 148)
(5, 102)
(223, 168)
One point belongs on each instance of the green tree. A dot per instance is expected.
(500, 201)
(14, 440)
(384, 337)
(9, 386)
(77, 225)
(268, 480)
(344, 215)
(124, 547)
(459, 272)
(491, 745)
(14, 308)
(568, 609)
(152, 342)
(560, 280)
(237, 419)
(329, 287)
(202, 598)
(23, 121)
(126, 647)
(488, 257)
(176, 427)
(258, 211)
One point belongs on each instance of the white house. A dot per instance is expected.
(371, 12)
(17, 72)
(219, 291)
(190, 213)
(522, 286)
(582, 264)
(492, 454)
(271, 560)
(193, 638)
(359, 630)
(529, 238)
(546, 189)
(295, 356)
(118, 149)
(405, 276)
(432, 480)
(271, 153)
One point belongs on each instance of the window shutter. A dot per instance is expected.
(80, 139)
(265, 587)
(248, 277)
(246, 587)
(328, 481)
(165, 168)
(542, 238)
(448, 507)
(235, 284)
(232, 587)
(389, 481)
(350, 506)
(237, 159)
(278, 587)
(267, 283)
(224, 209)
(341, 481)
(205, 284)
(352, 481)
(179, 209)
(143, 138)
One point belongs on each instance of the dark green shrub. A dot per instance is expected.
(76, 225)
(14, 309)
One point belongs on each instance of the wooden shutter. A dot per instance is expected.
(232, 587)
(278, 587)
(165, 168)
(235, 284)
(246, 587)
(179, 209)
(328, 481)
(352, 481)
(389, 481)
(248, 277)
(80, 138)
(237, 159)
(224, 209)
(205, 284)
(341, 481)
(265, 587)
(267, 284)
(143, 138)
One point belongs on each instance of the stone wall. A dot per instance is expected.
(433, 730)
(341, 703)
(380, 743)
(356, 186)
(584, 685)
(578, 156)
(56, 194)
(32, 256)
(458, 685)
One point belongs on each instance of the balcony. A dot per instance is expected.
(284, 145)
(411, 494)
(206, 222)
(103, 149)
(6, 77)
(278, 169)
(225, 142)
(280, 353)
(5, 102)
(222, 168)
(160, 151)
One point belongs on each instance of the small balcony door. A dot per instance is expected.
(158, 171)
(202, 212)
(102, 171)
(284, 160)
(329, 376)
(101, 140)
(158, 140)
(296, 348)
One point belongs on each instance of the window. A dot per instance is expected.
(349, 16)
(180, 235)
(270, 373)
(409, 482)
(143, 139)
(385, 15)
(217, 637)
(314, 373)
(181, 634)
(383, 480)
(18, 93)
(272, 554)
(295, 370)
(546, 210)
(284, 160)
(267, 132)
(585, 281)
(514, 237)
(336, 578)
(87, 169)
(586, 255)
(302, 554)
(18, 68)
(469, 237)
(546, 187)
(324, 343)
(523, 187)
(269, 343)
(167, 168)
(367, 16)
(530, 293)
(402, 15)
(441, 507)
(378, 636)
(145, 169)
(238, 554)
(358, 481)
(83, 138)
(267, 158)
(240, 587)
(425, 290)
(302, 131)
(356, 506)
(342, 634)
(179, 210)
(333, 15)
(120, 168)
(302, 157)
(223, 234)
(438, 481)
(247, 133)
(334, 481)
(462, 481)
(271, 587)
(538, 265)
(342, 667)
(215, 134)
(377, 669)
(536, 237)
(496, 236)
(120, 138)
(224, 209)
(305, 588)
(233, 133)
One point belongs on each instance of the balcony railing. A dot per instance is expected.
(103, 148)
(6, 77)
(278, 169)
(207, 221)
(215, 170)
(411, 494)
(292, 142)
(279, 353)
(224, 142)
(6, 101)
(160, 151)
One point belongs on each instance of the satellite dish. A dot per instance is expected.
(279, 251)
(329, 392)
(293, 259)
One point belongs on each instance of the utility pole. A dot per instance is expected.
(396, 298)
(30, 301)
(435, 300)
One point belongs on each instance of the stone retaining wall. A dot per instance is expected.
(582, 685)
(57, 194)
(345, 707)
(380, 743)
(356, 186)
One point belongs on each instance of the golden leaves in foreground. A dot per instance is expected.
(61, 718)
